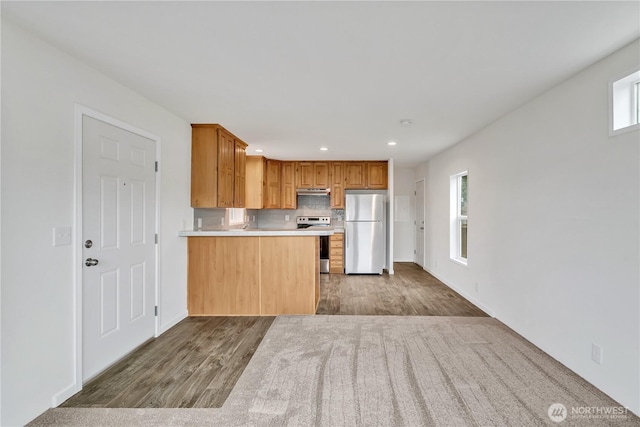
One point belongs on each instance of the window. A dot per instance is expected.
(235, 216)
(459, 188)
(637, 101)
(625, 103)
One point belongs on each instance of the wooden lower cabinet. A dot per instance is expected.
(253, 275)
(223, 276)
(336, 254)
(290, 273)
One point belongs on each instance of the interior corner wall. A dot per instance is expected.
(404, 229)
(553, 243)
(40, 85)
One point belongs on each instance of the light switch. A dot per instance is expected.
(61, 236)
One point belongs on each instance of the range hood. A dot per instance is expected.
(313, 191)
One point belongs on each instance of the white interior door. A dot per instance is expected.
(419, 257)
(118, 237)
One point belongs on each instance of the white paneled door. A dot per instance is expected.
(419, 258)
(118, 238)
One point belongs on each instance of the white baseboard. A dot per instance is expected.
(63, 395)
(466, 296)
(170, 324)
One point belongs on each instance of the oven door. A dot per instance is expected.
(324, 254)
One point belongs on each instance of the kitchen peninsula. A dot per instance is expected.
(253, 272)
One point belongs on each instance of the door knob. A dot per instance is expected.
(90, 262)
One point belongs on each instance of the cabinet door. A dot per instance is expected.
(377, 175)
(288, 185)
(355, 175)
(204, 166)
(226, 177)
(336, 254)
(273, 185)
(255, 182)
(337, 185)
(321, 174)
(305, 174)
(240, 171)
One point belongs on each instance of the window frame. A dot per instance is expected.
(636, 100)
(624, 103)
(457, 218)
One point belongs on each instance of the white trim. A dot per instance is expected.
(390, 193)
(424, 219)
(58, 398)
(455, 218)
(468, 297)
(459, 261)
(170, 324)
(79, 112)
(630, 80)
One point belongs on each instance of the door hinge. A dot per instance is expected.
(156, 311)
(156, 238)
(156, 166)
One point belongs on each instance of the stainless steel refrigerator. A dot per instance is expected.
(364, 232)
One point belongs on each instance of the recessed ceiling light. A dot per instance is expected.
(259, 150)
(406, 122)
(324, 149)
(392, 143)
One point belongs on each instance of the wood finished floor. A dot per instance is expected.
(196, 363)
(411, 291)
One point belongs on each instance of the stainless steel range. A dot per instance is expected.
(318, 221)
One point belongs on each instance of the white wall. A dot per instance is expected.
(553, 226)
(39, 88)
(404, 230)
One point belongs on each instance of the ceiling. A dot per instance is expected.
(291, 77)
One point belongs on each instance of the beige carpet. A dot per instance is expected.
(384, 371)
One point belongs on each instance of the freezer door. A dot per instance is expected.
(364, 207)
(364, 248)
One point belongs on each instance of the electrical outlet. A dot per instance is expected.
(477, 286)
(253, 218)
(221, 221)
(199, 226)
(286, 217)
(596, 354)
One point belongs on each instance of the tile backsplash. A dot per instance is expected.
(307, 206)
(215, 219)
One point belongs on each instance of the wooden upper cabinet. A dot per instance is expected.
(240, 170)
(321, 174)
(304, 175)
(204, 166)
(256, 182)
(365, 175)
(217, 167)
(355, 174)
(273, 196)
(288, 186)
(226, 176)
(377, 175)
(337, 185)
(312, 175)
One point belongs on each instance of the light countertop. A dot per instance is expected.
(239, 232)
